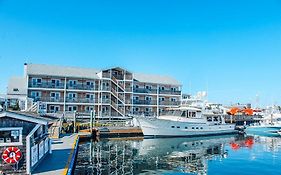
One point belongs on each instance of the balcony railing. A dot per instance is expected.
(145, 102)
(169, 103)
(173, 92)
(79, 86)
(144, 90)
(46, 85)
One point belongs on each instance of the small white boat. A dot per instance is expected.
(270, 125)
(185, 121)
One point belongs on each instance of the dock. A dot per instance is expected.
(108, 132)
(59, 161)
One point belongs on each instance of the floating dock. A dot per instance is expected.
(108, 132)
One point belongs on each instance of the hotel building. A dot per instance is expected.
(110, 92)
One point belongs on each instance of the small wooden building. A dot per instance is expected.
(24, 142)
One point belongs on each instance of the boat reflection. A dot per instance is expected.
(156, 156)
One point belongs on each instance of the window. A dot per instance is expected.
(148, 98)
(162, 88)
(136, 109)
(55, 95)
(178, 127)
(11, 136)
(15, 89)
(35, 94)
(192, 128)
(172, 126)
(89, 108)
(173, 89)
(55, 82)
(201, 128)
(72, 83)
(197, 128)
(186, 127)
(72, 108)
(161, 99)
(90, 83)
(36, 81)
(173, 99)
(137, 86)
(147, 87)
(54, 108)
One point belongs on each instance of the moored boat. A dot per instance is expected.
(185, 121)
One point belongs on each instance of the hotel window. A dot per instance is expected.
(173, 99)
(54, 108)
(55, 95)
(136, 86)
(72, 96)
(161, 99)
(148, 87)
(136, 109)
(55, 82)
(162, 88)
(90, 83)
(72, 83)
(36, 81)
(72, 108)
(89, 108)
(173, 89)
(35, 94)
(148, 98)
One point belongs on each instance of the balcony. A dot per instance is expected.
(46, 85)
(79, 100)
(145, 102)
(170, 92)
(81, 86)
(144, 90)
(50, 85)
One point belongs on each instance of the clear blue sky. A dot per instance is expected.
(231, 48)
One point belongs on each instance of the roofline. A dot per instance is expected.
(23, 117)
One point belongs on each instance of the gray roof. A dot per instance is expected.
(17, 86)
(62, 71)
(26, 117)
(157, 79)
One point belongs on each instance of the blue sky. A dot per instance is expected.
(230, 48)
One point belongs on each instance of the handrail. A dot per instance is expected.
(71, 166)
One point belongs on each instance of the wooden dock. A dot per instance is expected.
(108, 132)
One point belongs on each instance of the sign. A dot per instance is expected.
(15, 134)
(34, 155)
(41, 149)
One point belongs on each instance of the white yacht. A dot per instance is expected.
(185, 121)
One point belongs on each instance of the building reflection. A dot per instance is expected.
(157, 156)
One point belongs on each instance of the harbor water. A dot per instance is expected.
(232, 154)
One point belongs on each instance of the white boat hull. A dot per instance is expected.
(167, 128)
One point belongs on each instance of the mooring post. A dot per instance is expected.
(74, 122)
(91, 122)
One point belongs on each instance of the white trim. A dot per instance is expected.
(28, 149)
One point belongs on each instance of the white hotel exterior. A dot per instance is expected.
(110, 92)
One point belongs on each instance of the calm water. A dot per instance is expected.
(206, 155)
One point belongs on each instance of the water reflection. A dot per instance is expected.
(158, 156)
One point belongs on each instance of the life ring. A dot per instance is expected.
(12, 155)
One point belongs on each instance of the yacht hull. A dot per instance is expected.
(264, 130)
(166, 128)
